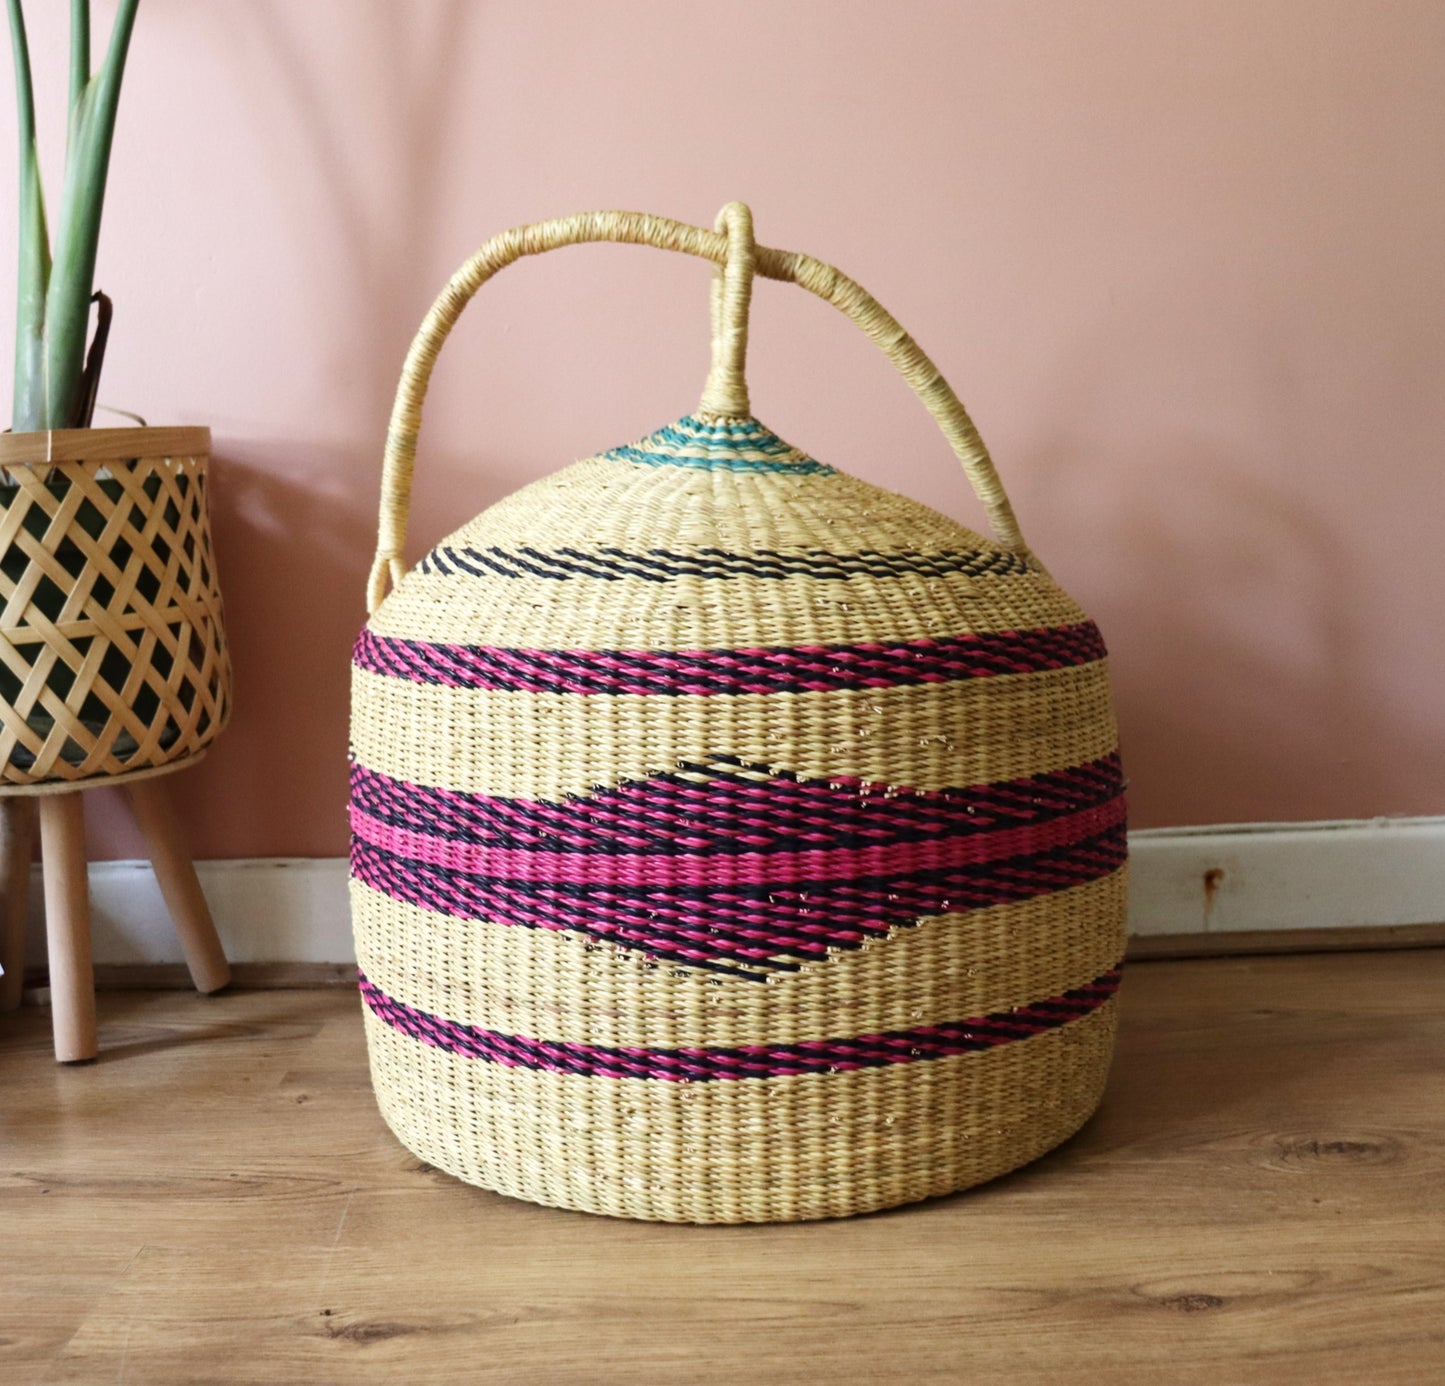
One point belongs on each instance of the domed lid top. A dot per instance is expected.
(718, 478)
(719, 445)
(708, 535)
(722, 486)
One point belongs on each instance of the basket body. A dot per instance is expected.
(733, 841)
(113, 658)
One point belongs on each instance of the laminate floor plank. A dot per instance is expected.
(1261, 1199)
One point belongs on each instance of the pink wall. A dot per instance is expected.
(1184, 262)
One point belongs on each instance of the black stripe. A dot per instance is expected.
(609, 564)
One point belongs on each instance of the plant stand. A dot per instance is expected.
(67, 905)
(113, 670)
(17, 843)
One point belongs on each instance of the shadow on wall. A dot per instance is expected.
(290, 625)
(1239, 669)
(310, 542)
(303, 537)
(371, 242)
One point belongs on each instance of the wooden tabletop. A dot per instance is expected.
(1260, 1200)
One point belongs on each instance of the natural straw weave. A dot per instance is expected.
(733, 840)
(113, 659)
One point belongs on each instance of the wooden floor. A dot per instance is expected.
(1260, 1200)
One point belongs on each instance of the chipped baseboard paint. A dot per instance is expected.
(1212, 880)
(1365, 873)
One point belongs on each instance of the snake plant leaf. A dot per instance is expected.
(55, 293)
(29, 403)
(77, 229)
(79, 56)
(34, 238)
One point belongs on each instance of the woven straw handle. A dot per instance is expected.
(732, 249)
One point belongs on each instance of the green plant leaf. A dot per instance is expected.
(28, 406)
(77, 230)
(79, 55)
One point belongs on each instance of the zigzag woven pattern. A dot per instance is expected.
(844, 1054)
(724, 808)
(755, 927)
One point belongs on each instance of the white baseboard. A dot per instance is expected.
(1366, 873)
(1301, 876)
(267, 909)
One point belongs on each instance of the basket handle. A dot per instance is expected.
(732, 249)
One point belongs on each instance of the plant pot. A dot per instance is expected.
(113, 659)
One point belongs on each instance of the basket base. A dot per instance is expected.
(751, 1151)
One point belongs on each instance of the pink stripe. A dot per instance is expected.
(748, 868)
(805, 668)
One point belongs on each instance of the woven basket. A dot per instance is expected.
(113, 661)
(733, 840)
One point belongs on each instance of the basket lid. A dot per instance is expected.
(721, 437)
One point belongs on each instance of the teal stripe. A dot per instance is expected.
(722, 441)
(761, 442)
(721, 463)
(729, 428)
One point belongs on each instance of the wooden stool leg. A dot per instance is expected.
(67, 926)
(17, 841)
(182, 891)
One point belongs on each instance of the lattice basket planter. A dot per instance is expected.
(733, 840)
(113, 658)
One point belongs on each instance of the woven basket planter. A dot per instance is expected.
(113, 661)
(733, 840)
